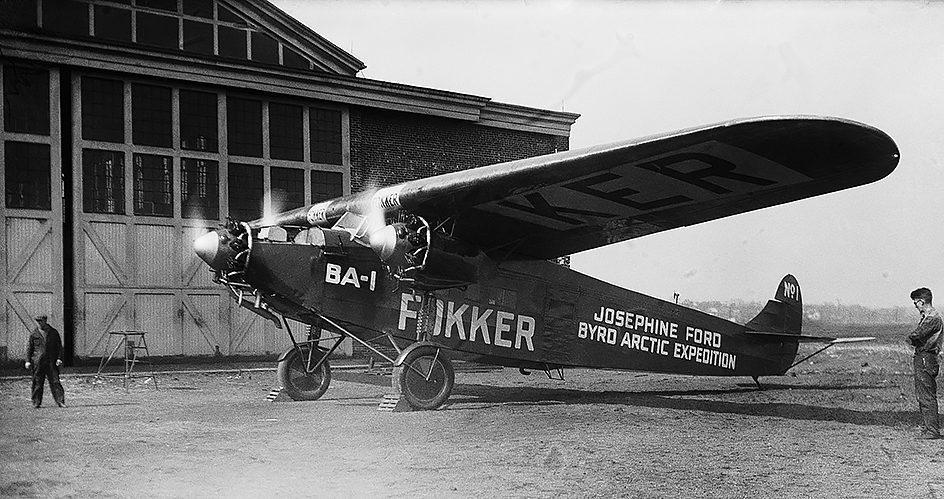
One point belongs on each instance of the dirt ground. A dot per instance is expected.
(843, 425)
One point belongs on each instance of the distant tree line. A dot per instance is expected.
(823, 313)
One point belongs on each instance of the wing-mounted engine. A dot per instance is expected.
(416, 253)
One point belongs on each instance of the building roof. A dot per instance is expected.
(249, 44)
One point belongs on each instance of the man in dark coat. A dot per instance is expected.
(43, 357)
(926, 338)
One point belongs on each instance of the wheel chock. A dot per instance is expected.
(393, 401)
(277, 395)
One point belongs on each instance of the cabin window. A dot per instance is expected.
(198, 121)
(325, 131)
(25, 100)
(103, 181)
(326, 185)
(27, 171)
(244, 127)
(150, 115)
(153, 184)
(103, 110)
(287, 186)
(112, 23)
(246, 190)
(286, 139)
(199, 189)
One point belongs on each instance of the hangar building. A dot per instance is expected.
(130, 127)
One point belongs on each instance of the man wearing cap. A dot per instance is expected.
(926, 338)
(43, 357)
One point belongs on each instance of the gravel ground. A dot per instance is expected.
(843, 425)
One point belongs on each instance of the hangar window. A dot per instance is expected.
(25, 100)
(198, 122)
(66, 16)
(103, 181)
(199, 8)
(150, 115)
(244, 127)
(112, 23)
(157, 30)
(199, 189)
(326, 185)
(102, 110)
(168, 5)
(287, 186)
(285, 132)
(198, 37)
(325, 130)
(265, 49)
(27, 171)
(245, 191)
(293, 59)
(153, 184)
(232, 42)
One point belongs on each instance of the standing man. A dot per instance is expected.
(926, 339)
(44, 356)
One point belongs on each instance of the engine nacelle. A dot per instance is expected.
(430, 259)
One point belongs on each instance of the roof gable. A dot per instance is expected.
(251, 31)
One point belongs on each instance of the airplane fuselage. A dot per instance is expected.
(530, 314)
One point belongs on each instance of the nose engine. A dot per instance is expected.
(224, 249)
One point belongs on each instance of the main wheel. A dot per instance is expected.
(296, 381)
(426, 378)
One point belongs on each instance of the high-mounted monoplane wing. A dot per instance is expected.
(554, 205)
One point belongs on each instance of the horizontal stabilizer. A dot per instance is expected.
(805, 339)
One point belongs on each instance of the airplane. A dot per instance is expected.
(460, 266)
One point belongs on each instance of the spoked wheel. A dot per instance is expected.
(426, 378)
(295, 379)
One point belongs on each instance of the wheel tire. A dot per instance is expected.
(296, 382)
(415, 389)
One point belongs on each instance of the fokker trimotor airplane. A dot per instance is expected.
(459, 266)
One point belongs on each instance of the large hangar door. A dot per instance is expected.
(31, 282)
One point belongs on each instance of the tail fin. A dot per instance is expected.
(783, 314)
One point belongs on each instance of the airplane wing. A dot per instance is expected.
(554, 205)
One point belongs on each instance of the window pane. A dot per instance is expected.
(326, 185)
(293, 59)
(25, 100)
(66, 16)
(153, 184)
(103, 181)
(199, 189)
(285, 132)
(199, 8)
(198, 125)
(287, 187)
(102, 110)
(265, 49)
(245, 191)
(198, 37)
(232, 42)
(244, 127)
(112, 23)
(325, 129)
(157, 30)
(27, 176)
(150, 115)
(168, 5)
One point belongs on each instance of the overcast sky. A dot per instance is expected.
(635, 69)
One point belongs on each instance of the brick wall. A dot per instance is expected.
(388, 147)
